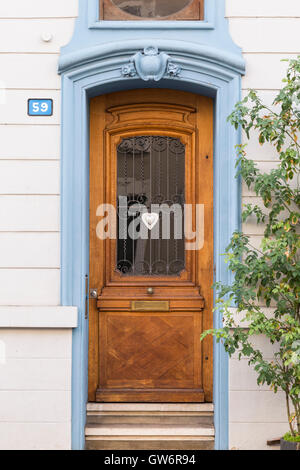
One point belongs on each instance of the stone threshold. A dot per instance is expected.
(151, 407)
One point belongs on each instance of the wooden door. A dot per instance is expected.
(154, 290)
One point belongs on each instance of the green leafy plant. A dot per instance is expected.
(288, 437)
(266, 286)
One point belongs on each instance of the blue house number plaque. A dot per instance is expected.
(40, 107)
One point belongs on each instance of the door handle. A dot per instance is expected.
(150, 291)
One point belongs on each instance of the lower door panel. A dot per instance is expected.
(150, 356)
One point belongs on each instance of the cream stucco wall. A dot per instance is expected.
(35, 334)
(267, 31)
(35, 388)
(35, 374)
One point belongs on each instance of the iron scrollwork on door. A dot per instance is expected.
(151, 187)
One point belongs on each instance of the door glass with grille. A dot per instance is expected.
(150, 200)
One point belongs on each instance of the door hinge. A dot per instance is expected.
(86, 315)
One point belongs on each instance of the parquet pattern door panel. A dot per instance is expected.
(149, 351)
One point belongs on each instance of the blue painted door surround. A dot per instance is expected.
(207, 62)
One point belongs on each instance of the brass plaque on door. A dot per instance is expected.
(150, 306)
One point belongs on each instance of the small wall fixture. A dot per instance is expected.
(46, 37)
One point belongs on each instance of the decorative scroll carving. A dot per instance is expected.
(150, 65)
(173, 69)
(129, 70)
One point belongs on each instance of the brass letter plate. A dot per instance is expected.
(150, 306)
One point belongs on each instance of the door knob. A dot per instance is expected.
(150, 290)
(93, 293)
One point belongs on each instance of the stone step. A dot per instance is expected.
(151, 407)
(141, 418)
(149, 426)
(165, 443)
(157, 431)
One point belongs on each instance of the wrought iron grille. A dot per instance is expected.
(150, 180)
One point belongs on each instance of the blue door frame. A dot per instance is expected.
(92, 65)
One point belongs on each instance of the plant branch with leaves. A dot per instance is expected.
(269, 275)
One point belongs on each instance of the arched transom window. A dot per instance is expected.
(151, 10)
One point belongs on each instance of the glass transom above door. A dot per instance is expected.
(122, 10)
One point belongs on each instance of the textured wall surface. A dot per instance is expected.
(267, 31)
(35, 364)
(35, 389)
(35, 384)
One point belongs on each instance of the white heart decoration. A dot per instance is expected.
(150, 220)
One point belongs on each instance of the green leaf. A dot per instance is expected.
(267, 275)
